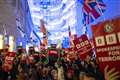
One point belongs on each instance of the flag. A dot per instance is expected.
(92, 9)
(22, 33)
(19, 27)
(45, 33)
(33, 38)
(42, 27)
(59, 44)
(66, 42)
(70, 37)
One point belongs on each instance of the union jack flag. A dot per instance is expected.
(92, 9)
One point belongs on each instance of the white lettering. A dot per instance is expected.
(82, 44)
(106, 59)
(111, 48)
(86, 42)
(78, 46)
(114, 53)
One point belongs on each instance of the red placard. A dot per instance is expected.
(52, 52)
(107, 42)
(83, 46)
(9, 59)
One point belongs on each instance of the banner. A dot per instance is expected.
(107, 42)
(83, 46)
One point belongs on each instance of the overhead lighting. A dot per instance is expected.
(37, 16)
(68, 6)
(54, 16)
(72, 20)
(34, 8)
(66, 16)
(64, 1)
(56, 22)
(57, 8)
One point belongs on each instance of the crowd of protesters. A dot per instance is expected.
(55, 69)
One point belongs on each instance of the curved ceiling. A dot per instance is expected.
(57, 15)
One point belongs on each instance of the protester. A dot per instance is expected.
(35, 67)
(89, 76)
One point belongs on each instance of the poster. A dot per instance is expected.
(107, 42)
(83, 46)
(9, 60)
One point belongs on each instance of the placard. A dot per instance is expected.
(83, 46)
(107, 42)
